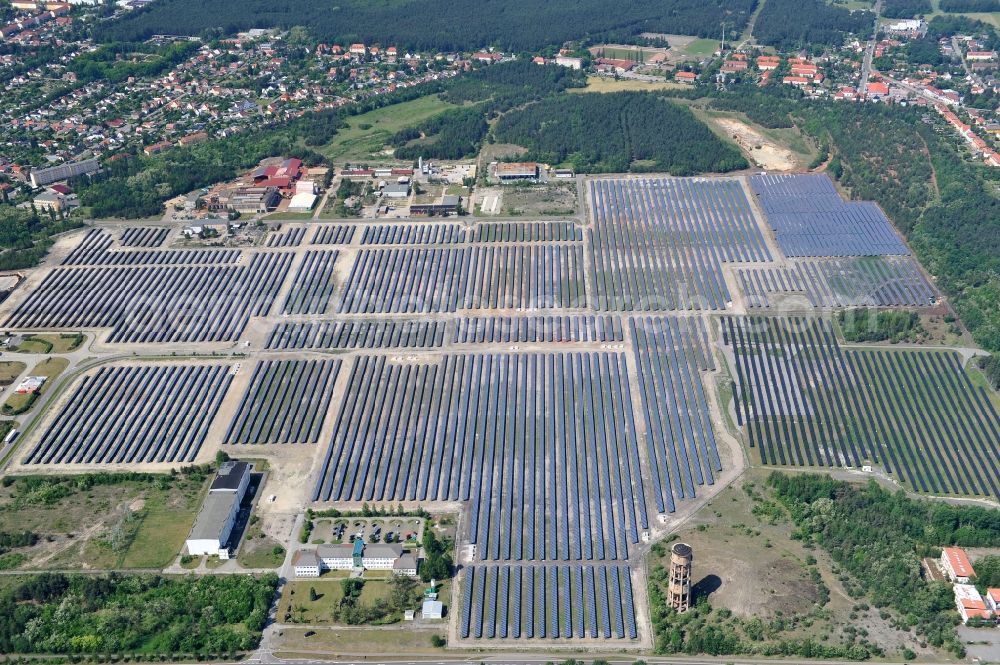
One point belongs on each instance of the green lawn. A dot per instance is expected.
(51, 343)
(701, 47)
(365, 136)
(10, 370)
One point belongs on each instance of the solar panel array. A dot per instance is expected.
(810, 218)
(569, 602)
(806, 402)
(445, 280)
(139, 236)
(333, 234)
(96, 250)
(542, 446)
(285, 402)
(659, 243)
(414, 234)
(670, 353)
(290, 237)
(145, 413)
(313, 285)
(527, 232)
(156, 303)
(367, 334)
(534, 329)
(883, 281)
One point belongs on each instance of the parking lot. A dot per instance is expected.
(370, 529)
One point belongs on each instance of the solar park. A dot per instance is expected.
(555, 383)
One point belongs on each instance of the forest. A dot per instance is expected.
(816, 22)
(492, 90)
(878, 538)
(617, 132)
(959, 6)
(905, 8)
(117, 614)
(440, 25)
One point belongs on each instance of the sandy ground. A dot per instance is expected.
(763, 151)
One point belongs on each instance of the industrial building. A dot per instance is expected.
(246, 200)
(214, 524)
(679, 589)
(448, 206)
(302, 202)
(396, 190)
(517, 172)
(42, 177)
(355, 556)
(956, 565)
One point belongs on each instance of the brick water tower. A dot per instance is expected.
(679, 590)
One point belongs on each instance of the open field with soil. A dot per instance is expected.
(138, 523)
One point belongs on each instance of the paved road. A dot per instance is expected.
(534, 659)
(866, 66)
(965, 63)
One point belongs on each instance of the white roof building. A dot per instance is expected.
(214, 523)
(432, 609)
(302, 202)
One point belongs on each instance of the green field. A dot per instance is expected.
(140, 523)
(366, 135)
(701, 48)
(295, 601)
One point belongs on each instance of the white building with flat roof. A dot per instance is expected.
(302, 202)
(214, 524)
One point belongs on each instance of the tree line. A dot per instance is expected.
(441, 25)
(617, 132)
(959, 6)
(905, 8)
